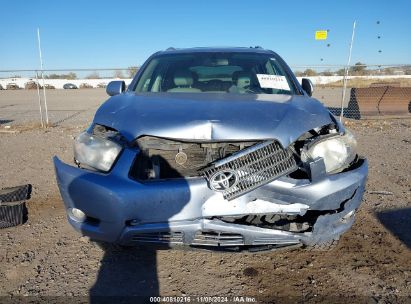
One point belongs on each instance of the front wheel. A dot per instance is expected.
(323, 246)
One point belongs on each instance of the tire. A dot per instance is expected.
(325, 246)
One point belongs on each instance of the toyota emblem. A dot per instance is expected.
(223, 180)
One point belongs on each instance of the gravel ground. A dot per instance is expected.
(65, 107)
(371, 264)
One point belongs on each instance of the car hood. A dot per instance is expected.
(213, 116)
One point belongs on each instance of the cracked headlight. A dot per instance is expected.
(95, 152)
(338, 151)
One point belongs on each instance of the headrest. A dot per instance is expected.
(183, 78)
(242, 78)
(238, 74)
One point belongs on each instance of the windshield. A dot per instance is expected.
(241, 73)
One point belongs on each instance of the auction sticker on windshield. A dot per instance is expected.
(268, 81)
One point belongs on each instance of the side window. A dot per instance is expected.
(155, 79)
(156, 87)
(279, 70)
(270, 69)
(143, 84)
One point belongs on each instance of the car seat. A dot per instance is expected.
(241, 81)
(183, 80)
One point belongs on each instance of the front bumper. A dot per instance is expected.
(184, 211)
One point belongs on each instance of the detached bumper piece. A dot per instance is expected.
(13, 209)
(15, 194)
(249, 169)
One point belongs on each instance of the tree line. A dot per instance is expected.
(359, 69)
(128, 73)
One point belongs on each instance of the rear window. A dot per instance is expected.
(240, 73)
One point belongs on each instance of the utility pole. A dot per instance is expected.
(42, 76)
(38, 95)
(346, 72)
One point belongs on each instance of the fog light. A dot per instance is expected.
(77, 215)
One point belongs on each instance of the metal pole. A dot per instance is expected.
(38, 94)
(42, 76)
(346, 72)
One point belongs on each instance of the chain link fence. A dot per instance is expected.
(71, 96)
(55, 97)
(368, 92)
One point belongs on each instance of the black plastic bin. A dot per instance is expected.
(13, 209)
(12, 214)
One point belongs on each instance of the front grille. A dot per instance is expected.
(212, 238)
(253, 166)
(158, 157)
(274, 241)
(159, 237)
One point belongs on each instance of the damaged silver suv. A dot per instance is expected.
(213, 147)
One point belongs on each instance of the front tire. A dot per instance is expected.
(323, 246)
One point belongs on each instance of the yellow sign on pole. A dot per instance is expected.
(320, 35)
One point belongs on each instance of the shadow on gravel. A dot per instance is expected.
(398, 222)
(126, 275)
(59, 122)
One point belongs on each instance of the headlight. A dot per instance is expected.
(338, 151)
(96, 152)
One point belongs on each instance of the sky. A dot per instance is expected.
(105, 34)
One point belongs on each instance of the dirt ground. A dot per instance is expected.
(371, 264)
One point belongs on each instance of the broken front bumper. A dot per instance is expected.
(186, 211)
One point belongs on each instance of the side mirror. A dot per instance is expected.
(115, 87)
(308, 86)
